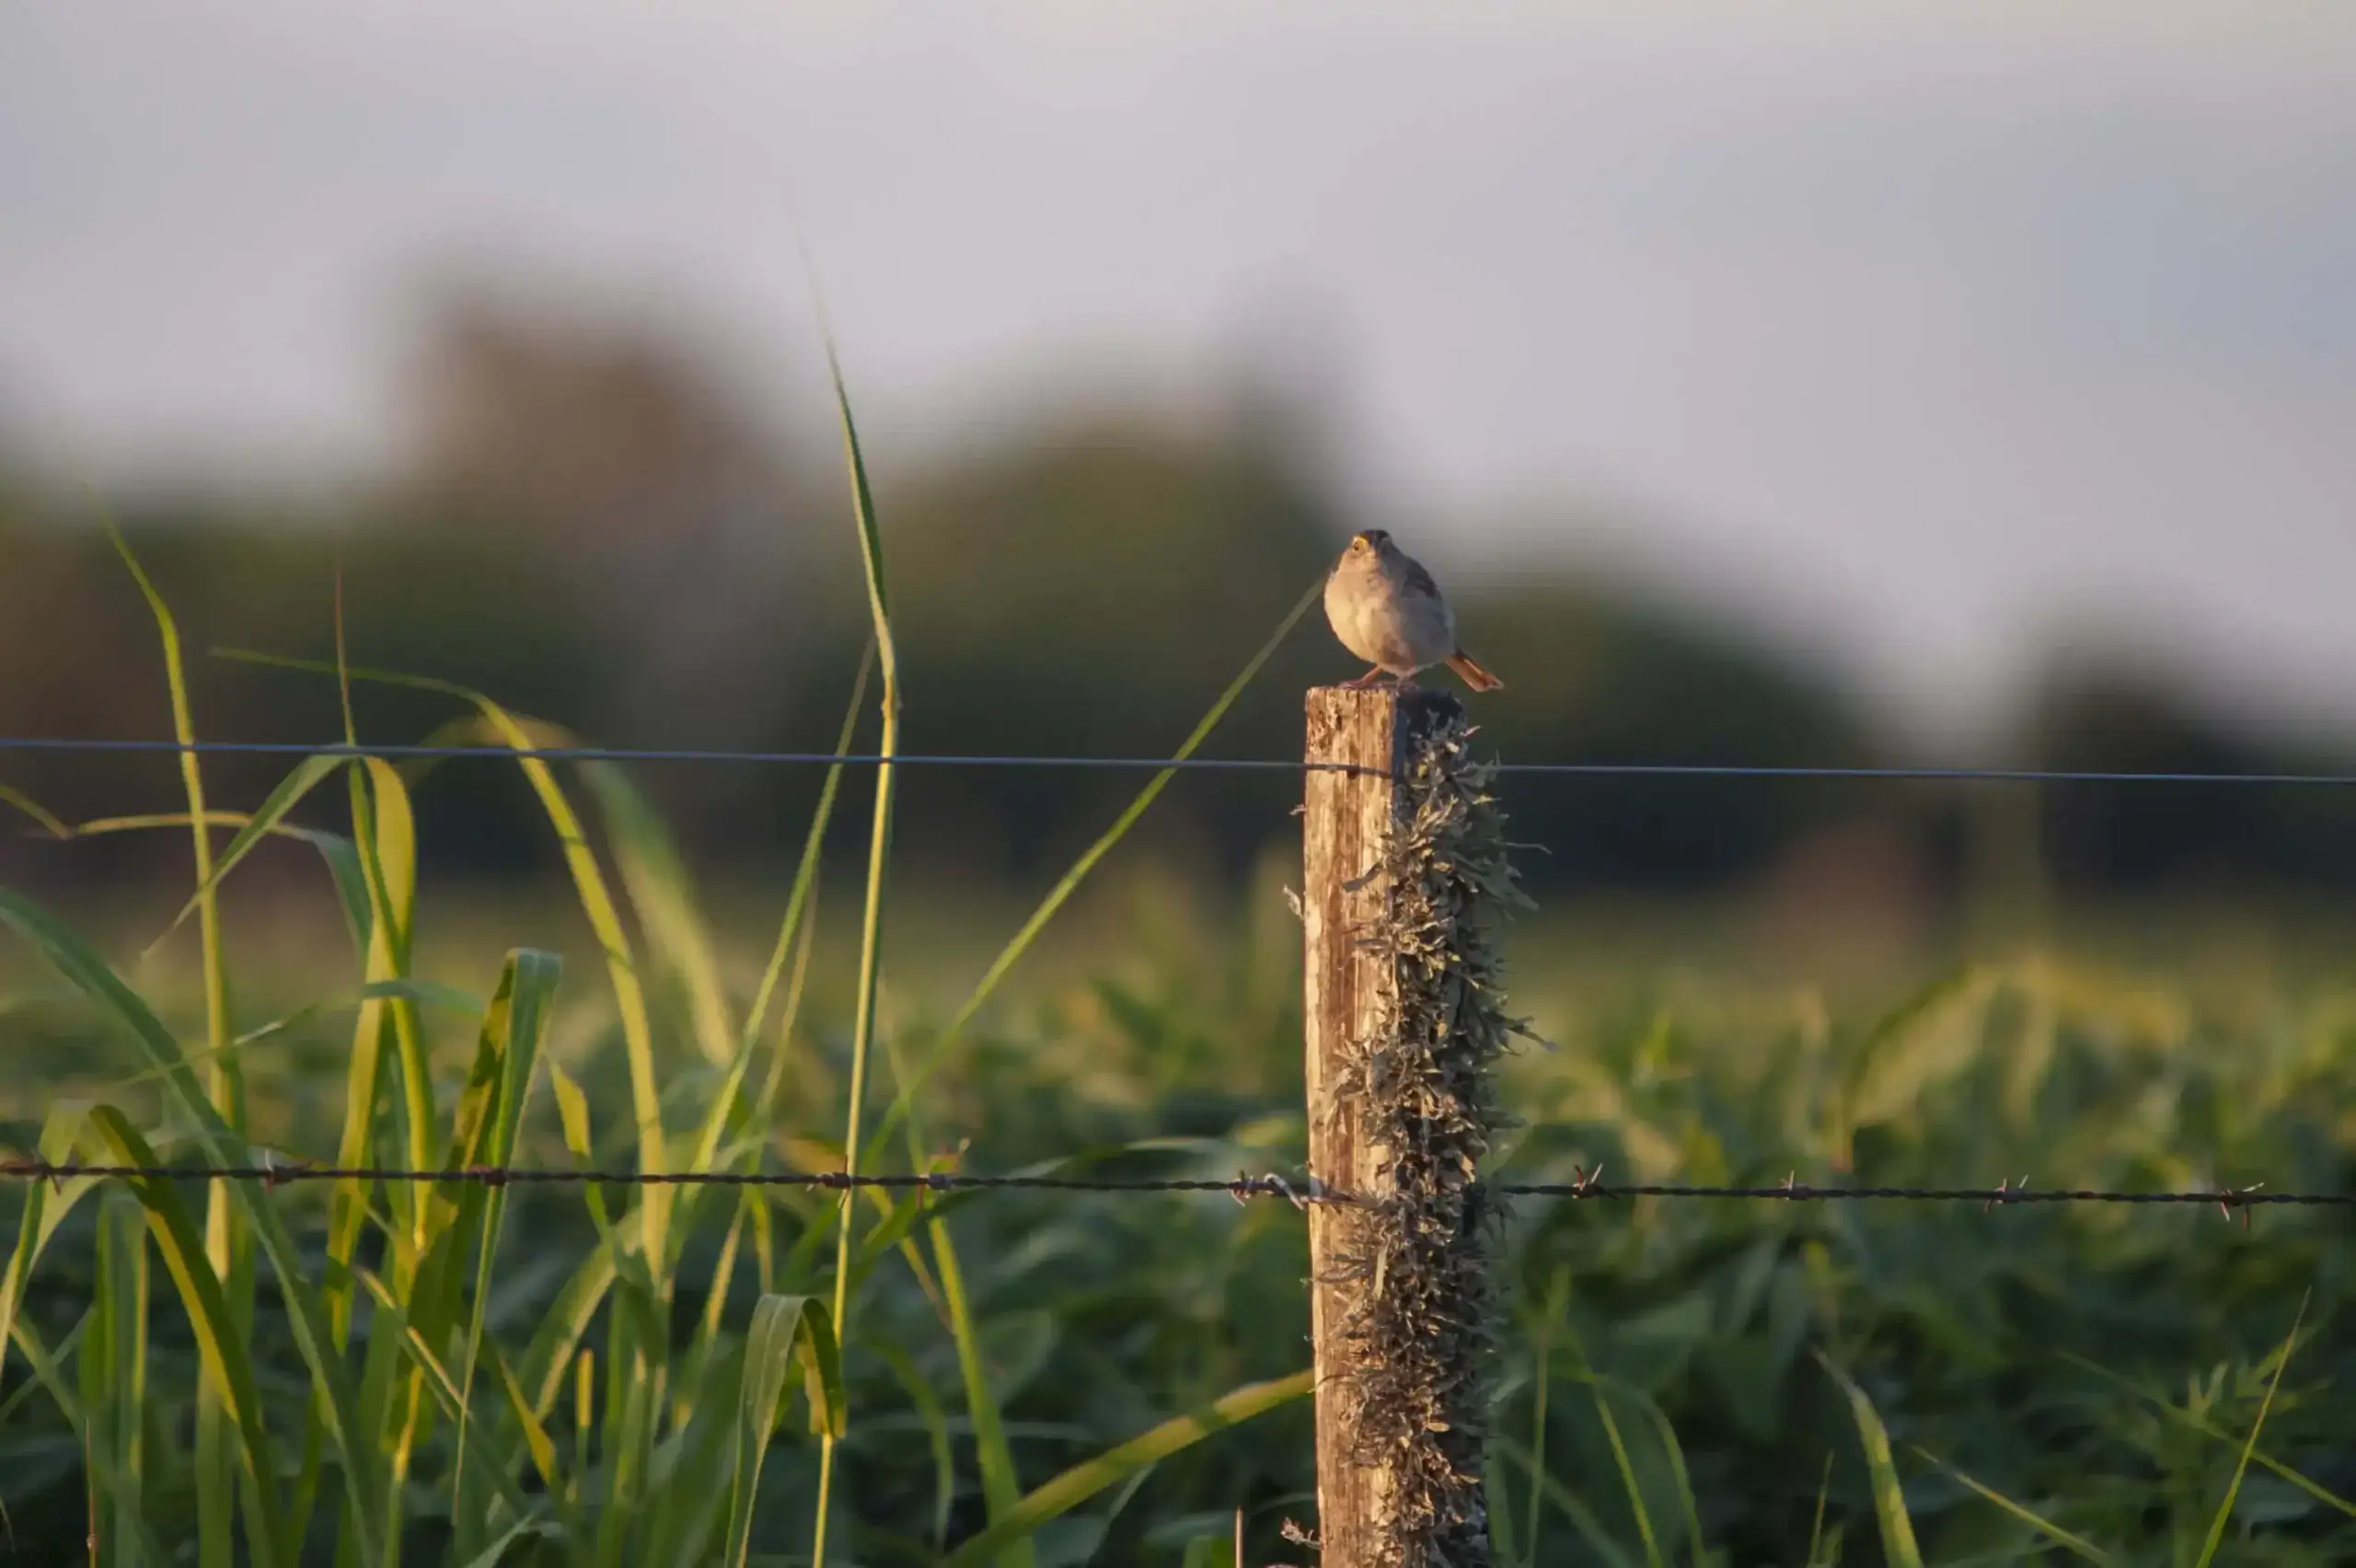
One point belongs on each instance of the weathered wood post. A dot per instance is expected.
(1401, 849)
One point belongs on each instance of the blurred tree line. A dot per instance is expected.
(592, 525)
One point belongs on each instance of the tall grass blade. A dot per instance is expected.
(123, 1007)
(1889, 1499)
(525, 736)
(435, 1380)
(264, 819)
(787, 1332)
(805, 871)
(2241, 1466)
(53, 825)
(46, 1206)
(938, 1051)
(222, 1242)
(1000, 1489)
(879, 853)
(513, 1033)
(2068, 1540)
(110, 1353)
(1635, 1493)
(1818, 1557)
(1084, 1481)
(1554, 1309)
(220, 1342)
(661, 895)
(2208, 1428)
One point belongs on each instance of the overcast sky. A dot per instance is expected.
(1922, 335)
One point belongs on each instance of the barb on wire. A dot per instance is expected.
(1193, 763)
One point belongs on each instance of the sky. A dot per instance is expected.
(1923, 338)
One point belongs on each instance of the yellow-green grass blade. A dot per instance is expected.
(1572, 1505)
(548, 1358)
(525, 736)
(117, 1382)
(937, 1053)
(2208, 1428)
(46, 1206)
(122, 1008)
(1889, 1499)
(630, 1426)
(431, 993)
(661, 895)
(436, 1380)
(537, 1444)
(220, 1340)
(879, 853)
(729, 1115)
(615, 1239)
(1818, 1557)
(385, 830)
(515, 1030)
(723, 1272)
(385, 839)
(1554, 1309)
(52, 824)
(788, 1333)
(222, 1240)
(2281, 1359)
(773, 1085)
(1085, 1479)
(2068, 1540)
(1000, 1489)
(342, 857)
(259, 823)
(690, 1481)
(632, 1400)
(1635, 1493)
(805, 871)
(1671, 1449)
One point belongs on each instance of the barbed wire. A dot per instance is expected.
(397, 751)
(1300, 1191)
(2229, 1200)
(276, 1174)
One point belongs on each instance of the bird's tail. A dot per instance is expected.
(1472, 674)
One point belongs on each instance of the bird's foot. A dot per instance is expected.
(1373, 677)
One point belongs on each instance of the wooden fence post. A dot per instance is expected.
(1401, 849)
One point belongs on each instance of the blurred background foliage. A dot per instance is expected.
(593, 521)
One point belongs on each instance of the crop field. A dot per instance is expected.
(470, 1373)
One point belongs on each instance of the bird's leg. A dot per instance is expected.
(1372, 677)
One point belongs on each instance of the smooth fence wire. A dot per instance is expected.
(395, 751)
(1300, 1191)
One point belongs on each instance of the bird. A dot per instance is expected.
(1387, 610)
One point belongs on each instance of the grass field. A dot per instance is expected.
(467, 1375)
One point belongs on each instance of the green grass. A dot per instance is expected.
(2095, 1374)
(460, 1375)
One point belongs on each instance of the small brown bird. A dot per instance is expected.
(1387, 610)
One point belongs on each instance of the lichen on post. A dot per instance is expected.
(1405, 872)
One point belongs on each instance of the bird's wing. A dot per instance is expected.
(1419, 579)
